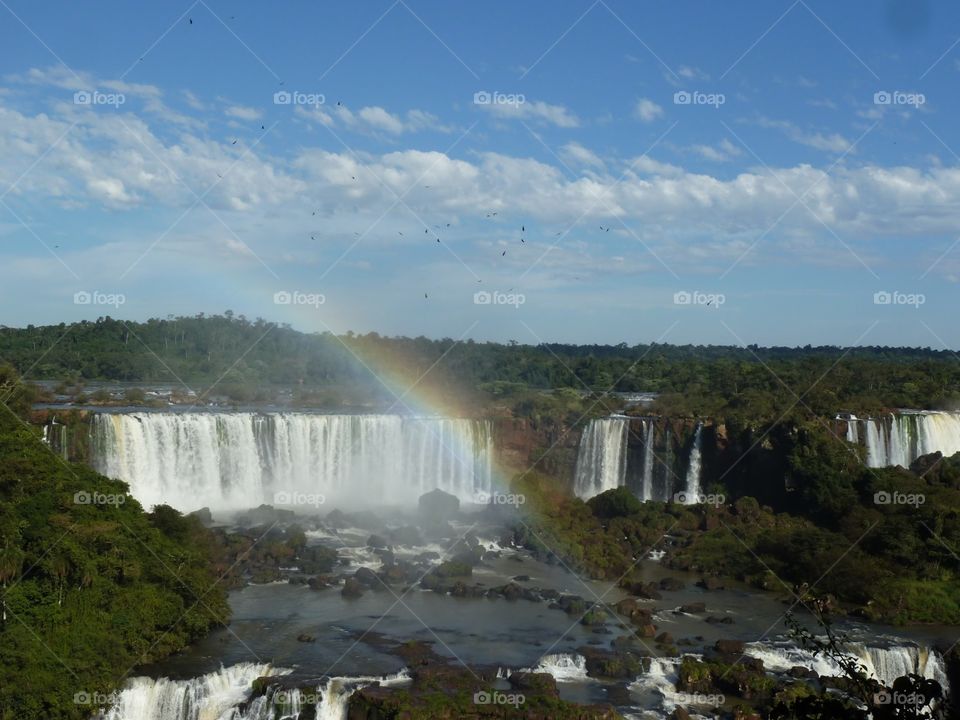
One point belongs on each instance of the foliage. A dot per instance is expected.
(92, 584)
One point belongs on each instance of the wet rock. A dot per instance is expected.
(438, 506)
(452, 568)
(711, 583)
(319, 582)
(694, 608)
(724, 620)
(522, 578)
(377, 541)
(665, 638)
(352, 588)
(306, 638)
(407, 535)
(534, 684)
(729, 647)
(670, 584)
(647, 630)
(367, 577)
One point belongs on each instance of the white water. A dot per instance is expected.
(900, 439)
(693, 469)
(216, 696)
(208, 697)
(563, 667)
(602, 458)
(239, 460)
(336, 692)
(649, 439)
(883, 663)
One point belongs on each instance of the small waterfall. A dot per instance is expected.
(208, 696)
(692, 490)
(335, 693)
(602, 458)
(239, 460)
(649, 438)
(55, 436)
(563, 667)
(902, 438)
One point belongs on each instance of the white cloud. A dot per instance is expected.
(647, 110)
(535, 110)
(721, 152)
(241, 112)
(832, 142)
(577, 155)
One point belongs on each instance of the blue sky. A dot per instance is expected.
(790, 168)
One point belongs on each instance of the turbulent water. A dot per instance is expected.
(883, 663)
(240, 460)
(209, 697)
(224, 695)
(900, 439)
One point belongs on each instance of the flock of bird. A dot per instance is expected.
(491, 214)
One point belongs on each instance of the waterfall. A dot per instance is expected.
(902, 438)
(239, 460)
(223, 695)
(602, 458)
(207, 697)
(882, 662)
(649, 437)
(692, 492)
(562, 666)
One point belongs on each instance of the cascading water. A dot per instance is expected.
(692, 491)
(607, 460)
(224, 695)
(240, 460)
(649, 438)
(208, 696)
(882, 662)
(602, 458)
(902, 438)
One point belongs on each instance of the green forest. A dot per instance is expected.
(245, 359)
(92, 585)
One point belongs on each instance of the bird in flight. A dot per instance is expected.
(503, 253)
(234, 142)
(191, 21)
